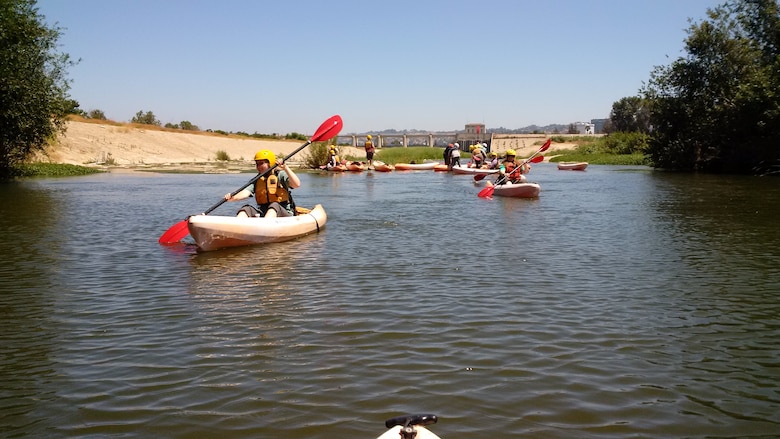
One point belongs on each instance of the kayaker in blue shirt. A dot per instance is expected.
(272, 192)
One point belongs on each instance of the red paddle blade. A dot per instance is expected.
(537, 159)
(487, 192)
(546, 145)
(175, 234)
(480, 177)
(328, 130)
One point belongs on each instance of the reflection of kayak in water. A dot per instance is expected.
(441, 168)
(212, 232)
(410, 427)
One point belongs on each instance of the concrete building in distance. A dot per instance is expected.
(474, 133)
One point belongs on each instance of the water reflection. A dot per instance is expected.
(29, 248)
(622, 302)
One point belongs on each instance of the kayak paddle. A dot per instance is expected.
(488, 191)
(328, 130)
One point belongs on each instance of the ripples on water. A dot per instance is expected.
(622, 302)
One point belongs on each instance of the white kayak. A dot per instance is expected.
(516, 190)
(411, 427)
(212, 232)
(472, 171)
(572, 166)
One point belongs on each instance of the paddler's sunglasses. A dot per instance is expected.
(257, 162)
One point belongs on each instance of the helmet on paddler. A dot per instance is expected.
(510, 152)
(265, 154)
(368, 137)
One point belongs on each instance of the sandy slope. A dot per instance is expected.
(126, 146)
(88, 143)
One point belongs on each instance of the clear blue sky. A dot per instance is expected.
(281, 66)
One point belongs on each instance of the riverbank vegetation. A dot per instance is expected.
(34, 88)
(717, 108)
(617, 148)
(52, 170)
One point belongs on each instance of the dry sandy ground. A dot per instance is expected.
(132, 147)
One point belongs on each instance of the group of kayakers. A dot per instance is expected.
(273, 195)
(481, 159)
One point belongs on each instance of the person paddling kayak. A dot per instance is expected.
(272, 192)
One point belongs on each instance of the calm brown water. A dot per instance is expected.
(621, 303)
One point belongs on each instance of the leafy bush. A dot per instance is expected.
(317, 154)
(600, 158)
(624, 143)
(222, 156)
(296, 136)
(147, 118)
(188, 126)
(96, 114)
(52, 170)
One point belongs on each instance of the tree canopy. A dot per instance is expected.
(718, 108)
(630, 114)
(33, 83)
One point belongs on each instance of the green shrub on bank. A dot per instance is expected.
(223, 156)
(317, 155)
(618, 148)
(52, 170)
(601, 158)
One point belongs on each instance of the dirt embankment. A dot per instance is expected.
(136, 147)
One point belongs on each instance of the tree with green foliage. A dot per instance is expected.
(631, 115)
(718, 108)
(188, 126)
(33, 84)
(96, 114)
(147, 118)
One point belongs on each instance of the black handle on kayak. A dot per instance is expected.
(405, 421)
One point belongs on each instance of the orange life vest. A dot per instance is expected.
(509, 166)
(270, 189)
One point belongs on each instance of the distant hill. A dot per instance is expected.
(553, 128)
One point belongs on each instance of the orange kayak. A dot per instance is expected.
(355, 167)
(382, 167)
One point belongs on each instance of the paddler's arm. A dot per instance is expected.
(245, 193)
(293, 179)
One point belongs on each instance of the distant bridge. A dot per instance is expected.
(404, 140)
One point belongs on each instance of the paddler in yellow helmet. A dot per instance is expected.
(508, 169)
(370, 149)
(333, 158)
(272, 191)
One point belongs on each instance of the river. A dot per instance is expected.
(623, 302)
